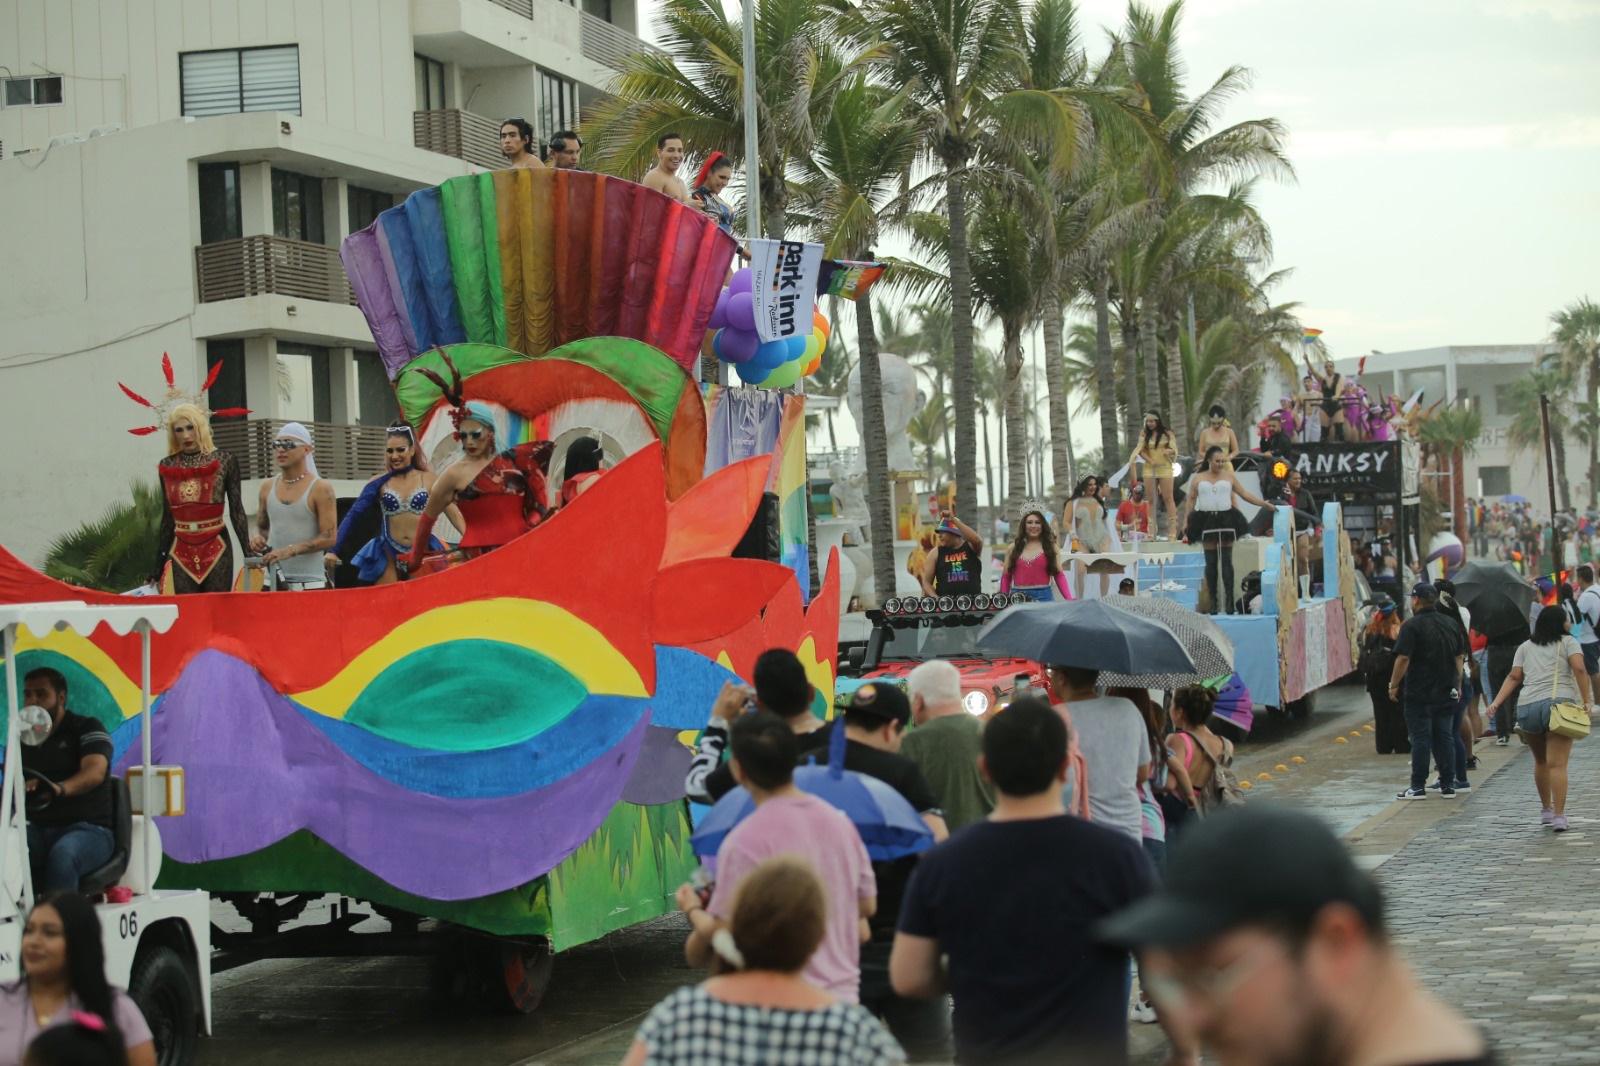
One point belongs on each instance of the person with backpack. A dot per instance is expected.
(1589, 611)
(1207, 759)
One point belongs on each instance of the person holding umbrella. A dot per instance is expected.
(787, 821)
(1498, 601)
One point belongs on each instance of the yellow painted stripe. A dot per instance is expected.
(545, 628)
(124, 692)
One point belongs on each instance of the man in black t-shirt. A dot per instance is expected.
(69, 792)
(1012, 903)
(1428, 659)
(874, 724)
(956, 563)
(1292, 968)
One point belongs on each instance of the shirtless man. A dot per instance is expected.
(663, 177)
(516, 144)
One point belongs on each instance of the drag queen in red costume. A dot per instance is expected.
(501, 494)
(198, 481)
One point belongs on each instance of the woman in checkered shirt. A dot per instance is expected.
(758, 1010)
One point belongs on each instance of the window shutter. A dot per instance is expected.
(272, 79)
(210, 83)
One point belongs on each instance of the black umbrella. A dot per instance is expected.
(1086, 633)
(1497, 597)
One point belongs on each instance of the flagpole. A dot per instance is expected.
(752, 151)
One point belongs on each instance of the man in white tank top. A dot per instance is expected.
(297, 519)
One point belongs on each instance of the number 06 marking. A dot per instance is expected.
(128, 925)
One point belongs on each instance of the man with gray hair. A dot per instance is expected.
(946, 744)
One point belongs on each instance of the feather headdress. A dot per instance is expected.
(175, 396)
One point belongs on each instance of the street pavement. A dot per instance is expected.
(1494, 911)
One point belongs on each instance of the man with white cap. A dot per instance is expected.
(298, 517)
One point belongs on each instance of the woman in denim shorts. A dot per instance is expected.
(1549, 669)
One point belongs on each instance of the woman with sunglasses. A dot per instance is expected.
(1218, 433)
(501, 494)
(401, 495)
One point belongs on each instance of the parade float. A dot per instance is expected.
(497, 748)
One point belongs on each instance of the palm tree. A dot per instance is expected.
(833, 375)
(1555, 380)
(115, 552)
(695, 88)
(1577, 331)
(960, 63)
(851, 186)
(926, 431)
(1188, 156)
(1455, 431)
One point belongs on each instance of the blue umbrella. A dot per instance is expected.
(889, 826)
(1086, 633)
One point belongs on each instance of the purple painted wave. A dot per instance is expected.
(257, 771)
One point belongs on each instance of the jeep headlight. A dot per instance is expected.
(976, 703)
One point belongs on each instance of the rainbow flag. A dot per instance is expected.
(1310, 335)
(788, 482)
(850, 280)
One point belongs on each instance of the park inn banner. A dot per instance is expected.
(783, 283)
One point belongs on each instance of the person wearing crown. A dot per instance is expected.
(500, 493)
(1033, 564)
(199, 481)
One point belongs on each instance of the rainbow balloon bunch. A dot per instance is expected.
(732, 337)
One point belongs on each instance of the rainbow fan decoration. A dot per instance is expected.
(533, 259)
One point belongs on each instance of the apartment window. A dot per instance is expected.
(228, 389)
(366, 205)
(297, 206)
(558, 104)
(430, 83)
(600, 9)
(231, 80)
(1504, 401)
(305, 383)
(1494, 480)
(375, 402)
(33, 92)
(219, 202)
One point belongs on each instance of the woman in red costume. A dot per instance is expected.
(501, 494)
(198, 480)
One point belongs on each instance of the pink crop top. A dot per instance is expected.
(1033, 573)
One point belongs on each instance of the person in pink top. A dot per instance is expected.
(787, 821)
(1032, 565)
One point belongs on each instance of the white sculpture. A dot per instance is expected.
(901, 402)
(850, 500)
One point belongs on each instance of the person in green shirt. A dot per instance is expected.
(946, 743)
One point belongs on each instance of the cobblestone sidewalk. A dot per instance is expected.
(1501, 916)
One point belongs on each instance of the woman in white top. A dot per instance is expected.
(1213, 521)
(1550, 669)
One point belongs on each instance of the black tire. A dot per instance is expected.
(165, 988)
(525, 975)
(1300, 710)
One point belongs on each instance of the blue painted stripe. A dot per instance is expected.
(687, 684)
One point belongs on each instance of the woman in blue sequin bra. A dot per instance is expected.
(401, 495)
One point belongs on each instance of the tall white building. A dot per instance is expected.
(176, 176)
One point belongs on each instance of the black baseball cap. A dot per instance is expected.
(880, 700)
(1424, 590)
(1258, 865)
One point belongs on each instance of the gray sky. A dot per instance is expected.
(1447, 154)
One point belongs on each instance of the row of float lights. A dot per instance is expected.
(904, 605)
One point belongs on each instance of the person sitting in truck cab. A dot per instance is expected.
(69, 789)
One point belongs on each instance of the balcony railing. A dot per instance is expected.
(460, 134)
(519, 7)
(251, 266)
(609, 45)
(347, 453)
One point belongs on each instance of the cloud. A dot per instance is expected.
(1559, 10)
(1523, 136)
